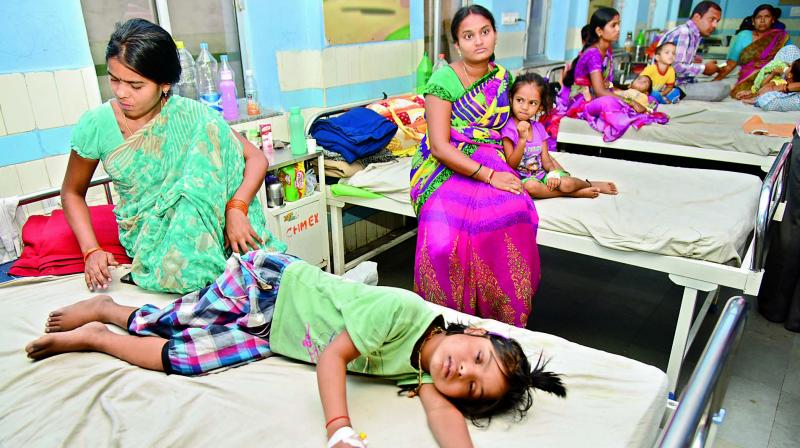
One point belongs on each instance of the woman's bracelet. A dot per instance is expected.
(238, 204)
(336, 418)
(476, 171)
(489, 177)
(90, 252)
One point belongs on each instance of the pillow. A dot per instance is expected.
(408, 113)
(50, 247)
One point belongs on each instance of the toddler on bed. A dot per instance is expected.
(525, 146)
(268, 302)
(638, 94)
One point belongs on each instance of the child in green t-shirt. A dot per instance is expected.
(268, 302)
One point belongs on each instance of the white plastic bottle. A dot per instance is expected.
(187, 86)
(206, 70)
(227, 90)
(441, 62)
(251, 93)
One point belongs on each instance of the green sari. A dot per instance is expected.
(174, 177)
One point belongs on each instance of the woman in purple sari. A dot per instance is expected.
(476, 247)
(591, 73)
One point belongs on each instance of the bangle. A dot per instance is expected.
(90, 252)
(238, 204)
(489, 177)
(476, 171)
(336, 418)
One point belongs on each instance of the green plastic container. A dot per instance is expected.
(424, 70)
(297, 134)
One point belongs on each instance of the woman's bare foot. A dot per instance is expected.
(588, 192)
(79, 313)
(79, 339)
(604, 187)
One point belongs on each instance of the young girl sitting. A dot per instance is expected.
(525, 146)
(268, 302)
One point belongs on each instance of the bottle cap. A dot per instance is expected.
(223, 58)
(203, 46)
(179, 44)
(294, 110)
(441, 55)
(248, 72)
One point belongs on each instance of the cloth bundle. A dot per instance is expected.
(612, 117)
(408, 113)
(356, 133)
(50, 247)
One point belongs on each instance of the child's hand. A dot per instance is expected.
(346, 437)
(524, 130)
(553, 183)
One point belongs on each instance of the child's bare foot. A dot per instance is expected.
(75, 340)
(79, 313)
(588, 192)
(604, 187)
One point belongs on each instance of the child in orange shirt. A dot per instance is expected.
(663, 75)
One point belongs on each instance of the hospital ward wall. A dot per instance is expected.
(734, 11)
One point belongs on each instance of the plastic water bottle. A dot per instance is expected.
(297, 132)
(251, 93)
(441, 62)
(227, 90)
(640, 43)
(186, 86)
(206, 70)
(424, 70)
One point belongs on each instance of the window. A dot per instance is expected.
(191, 21)
(538, 11)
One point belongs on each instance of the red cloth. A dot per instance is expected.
(50, 247)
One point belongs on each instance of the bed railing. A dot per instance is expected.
(42, 195)
(770, 199)
(699, 410)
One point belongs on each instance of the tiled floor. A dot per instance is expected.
(632, 312)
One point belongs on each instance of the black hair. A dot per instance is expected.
(795, 70)
(748, 23)
(703, 7)
(546, 93)
(147, 49)
(599, 19)
(585, 33)
(521, 378)
(661, 47)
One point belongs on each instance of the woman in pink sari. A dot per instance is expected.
(476, 247)
(754, 46)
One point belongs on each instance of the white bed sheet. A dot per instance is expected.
(91, 399)
(690, 213)
(703, 125)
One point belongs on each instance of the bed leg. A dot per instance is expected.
(680, 339)
(337, 239)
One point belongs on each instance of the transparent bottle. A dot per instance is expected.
(251, 93)
(206, 71)
(441, 62)
(629, 43)
(227, 90)
(187, 85)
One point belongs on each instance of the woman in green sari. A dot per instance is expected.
(186, 181)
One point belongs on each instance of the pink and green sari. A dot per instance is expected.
(756, 55)
(476, 247)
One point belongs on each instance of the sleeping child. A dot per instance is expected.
(637, 94)
(268, 303)
(525, 146)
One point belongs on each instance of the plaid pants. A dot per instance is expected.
(222, 325)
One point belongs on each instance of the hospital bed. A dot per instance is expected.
(697, 129)
(703, 228)
(92, 399)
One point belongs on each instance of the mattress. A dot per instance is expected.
(690, 213)
(700, 124)
(92, 399)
